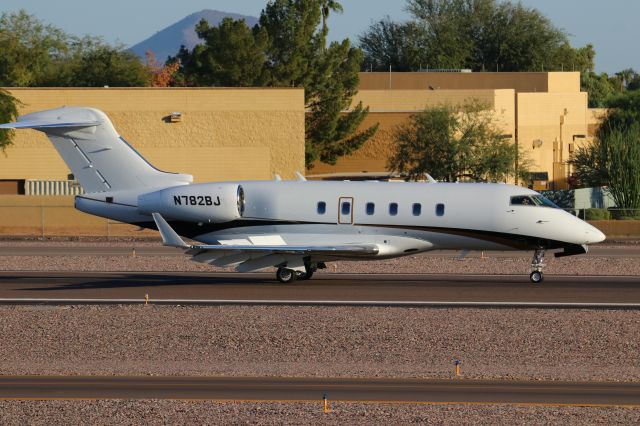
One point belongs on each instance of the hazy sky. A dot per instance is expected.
(612, 25)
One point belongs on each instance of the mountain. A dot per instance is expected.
(167, 42)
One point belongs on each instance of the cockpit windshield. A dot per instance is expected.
(532, 200)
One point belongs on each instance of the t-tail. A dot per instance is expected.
(99, 158)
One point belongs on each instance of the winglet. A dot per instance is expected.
(169, 236)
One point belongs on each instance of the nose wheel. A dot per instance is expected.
(536, 275)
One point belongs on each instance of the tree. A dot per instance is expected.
(288, 48)
(99, 64)
(392, 44)
(231, 55)
(613, 158)
(329, 6)
(35, 54)
(30, 49)
(161, 75)
(298, 56)
(8, 112)
(453, 143)
(600, 88)
(475, 34)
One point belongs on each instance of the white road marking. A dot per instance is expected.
(425, 304)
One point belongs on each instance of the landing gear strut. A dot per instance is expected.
(536, 275)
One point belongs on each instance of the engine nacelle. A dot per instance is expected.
(206, 203)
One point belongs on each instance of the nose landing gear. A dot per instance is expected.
(536, 275)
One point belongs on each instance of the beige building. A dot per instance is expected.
(544, 113)
(220, 134)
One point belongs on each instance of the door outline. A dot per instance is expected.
(341, 217)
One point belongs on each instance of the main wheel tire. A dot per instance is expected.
(536, 277)
(285, 275)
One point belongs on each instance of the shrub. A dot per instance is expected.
(596, 214)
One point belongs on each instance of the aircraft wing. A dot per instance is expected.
(254, 257)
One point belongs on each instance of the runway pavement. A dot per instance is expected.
(314, 389)
(322, 287)
(44, 249)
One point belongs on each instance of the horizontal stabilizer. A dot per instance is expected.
(99, 158)
(48, 124)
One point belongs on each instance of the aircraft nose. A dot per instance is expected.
(594, 235)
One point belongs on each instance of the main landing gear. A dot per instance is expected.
(286, 276)
(536, 275)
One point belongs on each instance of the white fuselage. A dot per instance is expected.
(402, 218)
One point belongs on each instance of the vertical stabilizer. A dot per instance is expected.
(100, 159)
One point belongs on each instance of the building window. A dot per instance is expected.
(346, 207)
(417, 209)
(439, 209)
(322, 207)
(371, 208)
(393, 209)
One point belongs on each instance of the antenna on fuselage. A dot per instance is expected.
(300, 177)
(430, 178)
(277, 177)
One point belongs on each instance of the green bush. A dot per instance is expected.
(625, 214)
(596, 214)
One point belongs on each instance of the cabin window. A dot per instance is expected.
(322, 207)
(417, 209)
(346, 207)
(439, 209)
(371, 208)
(393, 209)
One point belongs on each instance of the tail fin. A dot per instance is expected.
(97, 155)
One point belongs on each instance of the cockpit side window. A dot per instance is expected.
(522, 200)
(532, 200)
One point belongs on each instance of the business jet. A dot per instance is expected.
(299, 226)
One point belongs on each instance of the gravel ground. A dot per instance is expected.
(153, 412)
(321, 341)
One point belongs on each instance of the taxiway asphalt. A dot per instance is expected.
(314, 389)
(322, 287)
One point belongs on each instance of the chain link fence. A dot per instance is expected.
(62, 221)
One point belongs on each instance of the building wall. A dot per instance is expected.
(391, 108)
(225, 134)
(554, 82)
(550, 127)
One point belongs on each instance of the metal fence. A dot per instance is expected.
(62, 220)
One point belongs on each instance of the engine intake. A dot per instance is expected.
(206, 203)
